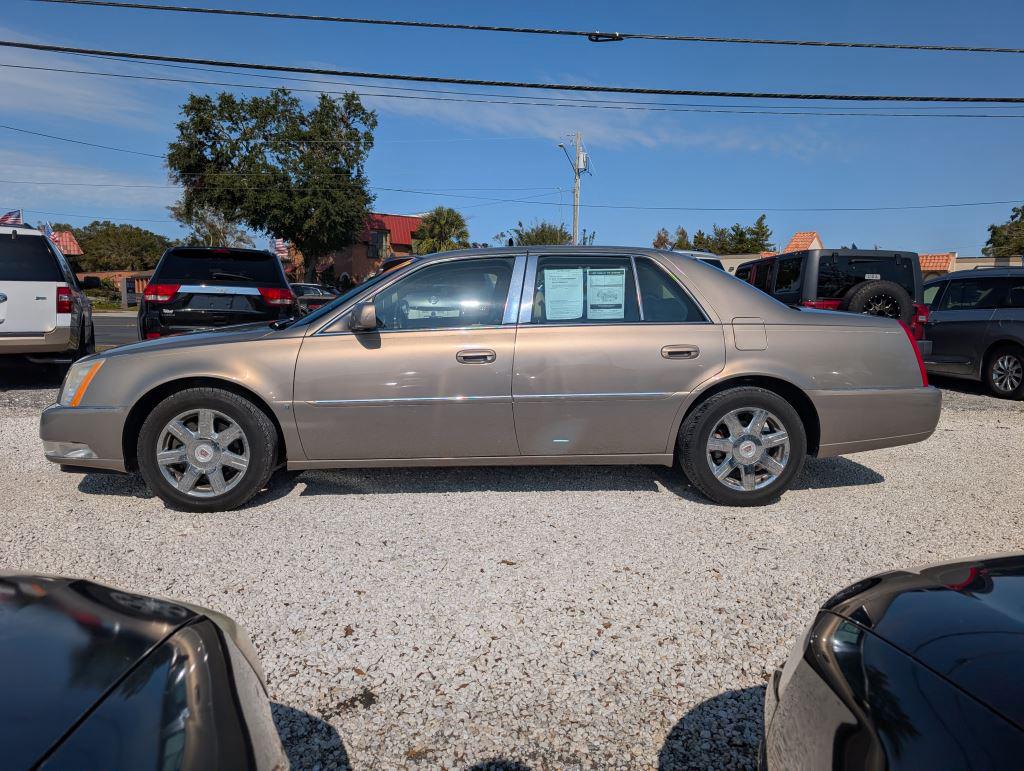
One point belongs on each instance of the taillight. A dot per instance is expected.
(823, 305)
(152, 335)
(921, 315)
(63, 299)
(917, 353)
(273, 295)
(160, 293)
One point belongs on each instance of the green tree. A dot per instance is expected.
(440, 230)
(209, 228)
(112, 246)
(268, 163)
(541, 233)
(1006, 240)
(738, 239)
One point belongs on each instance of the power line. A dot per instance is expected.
(595, 36)
(78, 141)
(567, 102)
(130, 55)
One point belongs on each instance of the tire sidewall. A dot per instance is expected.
(862, 292)
(697, 429)
(262, 449)
(1018, 392)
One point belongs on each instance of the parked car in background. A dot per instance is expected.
(195, 288)
(393, 262)
(906, 670)
(621, 356)
(44, 313)
(95, 677)
(874, 282)
(976, 328)
(312, 296)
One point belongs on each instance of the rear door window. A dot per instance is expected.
(743, 273)
(227, 266)
(787, 275)
(665, 301)
(585, 290)
(1014, 297)
(972, 294)
(931, 294)
(761, 273)
(28, 258)
(838, 274)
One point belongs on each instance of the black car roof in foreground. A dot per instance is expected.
(65, 644)
(963, 620)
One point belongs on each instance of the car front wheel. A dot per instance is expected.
(742, 446)
(206, 449)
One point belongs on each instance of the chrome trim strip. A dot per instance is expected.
(529, 284)
(515, 290)
(636, 286)
(411, 400)
(408, 331)
(593, 396)
(212, 289)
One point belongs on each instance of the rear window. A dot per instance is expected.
(205, 266)
(837, 274)
(27, 258)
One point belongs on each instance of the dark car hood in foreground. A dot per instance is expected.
(63, 644)
(963, 620)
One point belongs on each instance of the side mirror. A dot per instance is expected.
(363, 318)
(90, 282)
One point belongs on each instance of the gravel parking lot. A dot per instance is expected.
(521, 618)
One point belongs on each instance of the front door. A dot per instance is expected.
(957, 326)
(432, 381)
(601, 367)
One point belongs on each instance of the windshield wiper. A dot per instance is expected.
(231, 275)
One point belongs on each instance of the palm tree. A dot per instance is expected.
(440, 230)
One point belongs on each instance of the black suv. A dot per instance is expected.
(876, 282)
(977, 328)
(197, 288)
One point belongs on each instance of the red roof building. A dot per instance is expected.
(385, 236)
(804, 239)
(938, 264)
(67, 243)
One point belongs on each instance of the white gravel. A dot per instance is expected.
(522, 618)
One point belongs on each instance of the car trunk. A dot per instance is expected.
(215, 306)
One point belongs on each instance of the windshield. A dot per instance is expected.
(340, 300)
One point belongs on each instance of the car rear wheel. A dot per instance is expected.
(743, 446)
(880, 298)
(207, 449)
(1004, 372)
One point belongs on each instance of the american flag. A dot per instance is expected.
(12, 217)
(281, 248)
(48, 232)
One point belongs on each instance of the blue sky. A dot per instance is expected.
(509, 151)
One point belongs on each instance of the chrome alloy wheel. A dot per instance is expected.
(1007, 373)
(202, 453)
(748, 449)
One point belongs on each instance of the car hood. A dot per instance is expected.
(233, 334)
(963, 620)
(63, 644)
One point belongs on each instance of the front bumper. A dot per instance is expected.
(855, 420)
(87, 437)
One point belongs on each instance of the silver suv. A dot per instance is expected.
(976, 328)
(44, 314)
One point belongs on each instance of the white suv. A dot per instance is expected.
(44, 314)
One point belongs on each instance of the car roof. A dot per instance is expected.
(1000, 272)
(502, 251)
(21, 230)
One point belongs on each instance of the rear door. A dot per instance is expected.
(958, 325)
(29, 277)
(1008, 320)
(607, 349)
(218, 287)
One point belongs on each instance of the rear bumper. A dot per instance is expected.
(87, 437)
(869, 419)
(54, 341)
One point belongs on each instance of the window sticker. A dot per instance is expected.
(563, 293)
(606, 293)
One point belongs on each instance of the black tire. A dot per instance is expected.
(1003, 372)
(880, 298)
(702, 423)
(260, 436)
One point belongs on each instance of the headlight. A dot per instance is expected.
(77, 382)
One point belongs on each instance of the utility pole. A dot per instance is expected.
(578, 161)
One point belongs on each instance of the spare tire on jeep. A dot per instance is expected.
(880, 298)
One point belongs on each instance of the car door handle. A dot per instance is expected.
(680, 352)
(483, 356)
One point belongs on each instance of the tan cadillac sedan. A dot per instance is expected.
(546, 355)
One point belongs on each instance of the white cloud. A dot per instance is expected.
(76, 185)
